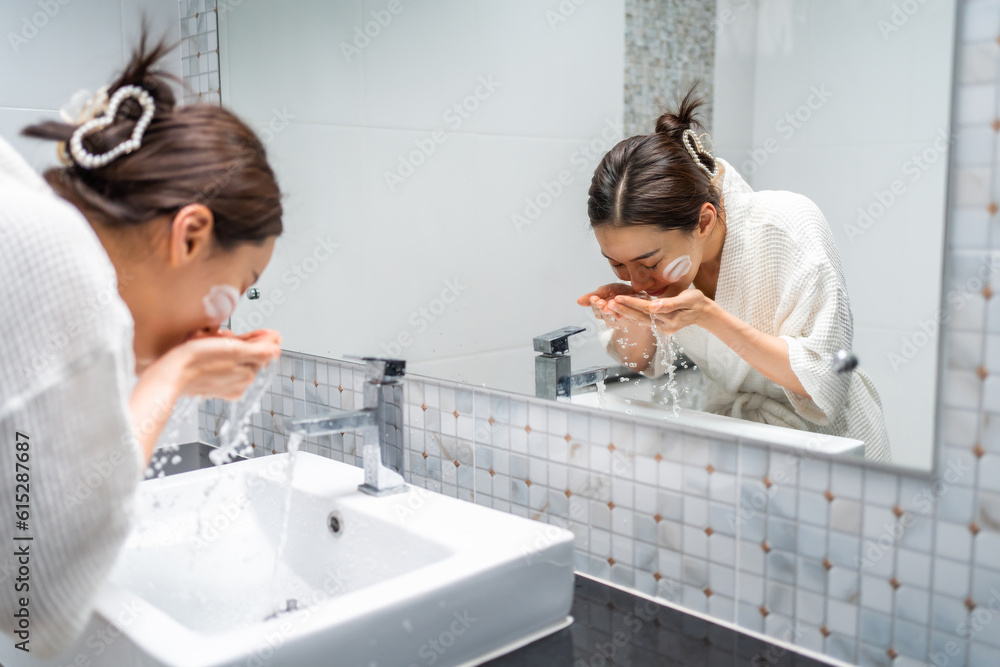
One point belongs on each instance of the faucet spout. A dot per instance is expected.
(336, 421)
(588, 376)
(381, 424)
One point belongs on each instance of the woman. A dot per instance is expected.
(750, 284)
(125, 261)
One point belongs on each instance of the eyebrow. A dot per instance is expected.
(647, 255)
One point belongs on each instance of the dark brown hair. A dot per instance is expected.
(652, 179)
(197, 153)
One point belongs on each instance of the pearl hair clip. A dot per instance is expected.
(88, 160)
(692, 142)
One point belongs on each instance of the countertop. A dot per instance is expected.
(613, 627)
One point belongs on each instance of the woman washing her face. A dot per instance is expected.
(749, 283)
(116, 271)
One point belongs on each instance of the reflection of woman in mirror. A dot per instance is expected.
(749, 283)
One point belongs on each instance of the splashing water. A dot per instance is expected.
(672, 349)
(233, 440)
(169, 440)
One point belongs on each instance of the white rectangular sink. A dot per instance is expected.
(414, 578)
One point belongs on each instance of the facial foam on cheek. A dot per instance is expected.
(677, 269)
(220, 302)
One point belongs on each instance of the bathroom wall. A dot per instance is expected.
(50, 50)
(478, 164)
(862, 131)
(864, 564)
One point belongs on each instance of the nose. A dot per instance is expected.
(641, 280)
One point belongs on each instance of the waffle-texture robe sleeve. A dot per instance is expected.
(66, 374)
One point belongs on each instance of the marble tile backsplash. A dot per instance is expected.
(869, 565)
(200, 51)
(669, 45)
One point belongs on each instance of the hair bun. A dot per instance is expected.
(140, 72)
(673, 123)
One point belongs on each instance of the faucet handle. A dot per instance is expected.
(555, 342)
(378, 369)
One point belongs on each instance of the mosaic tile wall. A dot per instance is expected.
(200, 51)
(868, 565)
(669, 44)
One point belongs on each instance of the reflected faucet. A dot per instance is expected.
(553, 371)
(380, 421)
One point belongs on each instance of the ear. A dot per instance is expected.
(191, 234)
(706, 220)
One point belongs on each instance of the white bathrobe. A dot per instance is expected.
(781, 274)
(66, 373)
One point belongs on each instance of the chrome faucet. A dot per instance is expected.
(553, 371)
(380, 421)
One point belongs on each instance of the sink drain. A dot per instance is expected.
(290, 606)
(335, 522)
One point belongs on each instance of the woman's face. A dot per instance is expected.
(651, 259)
(188, 284)
(661, 263)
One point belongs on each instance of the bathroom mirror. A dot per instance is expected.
(437, 156)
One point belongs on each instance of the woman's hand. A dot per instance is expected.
(601, 299)
(222, 365)
(212, 365)
(670, 315)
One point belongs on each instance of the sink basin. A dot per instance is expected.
(413, 578)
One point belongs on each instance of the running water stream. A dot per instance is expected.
(294, 440)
